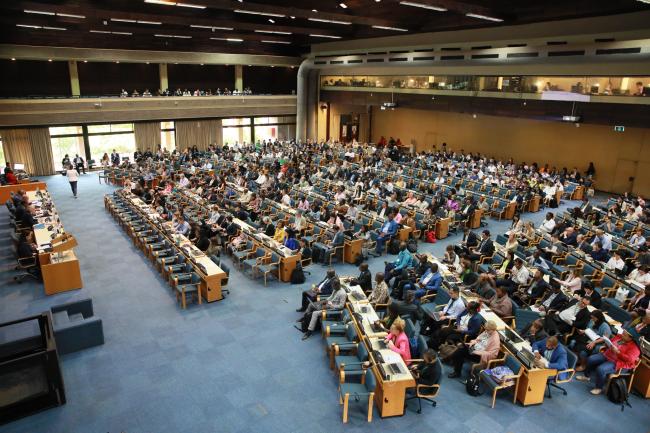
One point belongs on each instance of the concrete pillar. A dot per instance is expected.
(74, 78)
(239, 77)
(164, 81)
(312, 104)
(301, 100)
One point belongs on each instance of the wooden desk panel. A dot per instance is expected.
(5, 190)
(442, 228)
(60, 276)
(641, 381)
(532, 386)
(351, 250)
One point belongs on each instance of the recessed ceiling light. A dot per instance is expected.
(100, 31)
(275, 42)
(14, 59)
(316, 35)
(343, 5)
(292, 17)
(28, 26)
(322, 20)
(120, 20)
(155, 23)
(484, 17)
(172, 3)
(397, 29)
(29, 11)
(147, 63)
(228, 39)
(85, 61)
(201, 64)
(268, 14)
(314, 10)
(190, 5)
(158, 35)
(122, 33)
(117, 61)
(423, 6)
(49, 60)
(271, 20)
(161, 2)
(53, 28)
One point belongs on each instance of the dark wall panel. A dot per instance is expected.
(34, 78)
(104, 79)
(192, 77)
(265, 79)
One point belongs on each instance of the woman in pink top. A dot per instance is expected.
(573, 281)
(398, 341)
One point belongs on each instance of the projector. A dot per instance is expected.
(388, 106)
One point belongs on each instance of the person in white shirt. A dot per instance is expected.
(184, 182)
(549, 223)
(452, 310)
(286, 199)
(640, 275)
(615, 263)
(73, 176)
(605, 240)
(637, 238)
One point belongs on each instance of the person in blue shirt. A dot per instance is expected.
(386, 232)
(429, 282)
(290, 240)
(404, 260)
(549, 353)
(598, 253)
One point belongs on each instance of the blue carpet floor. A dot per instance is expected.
(236, 365)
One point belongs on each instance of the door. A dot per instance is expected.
(624, 177)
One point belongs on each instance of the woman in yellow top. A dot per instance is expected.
(279, 232)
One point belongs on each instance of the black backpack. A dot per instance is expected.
(617, 392)
(473, 385)
(297, 275)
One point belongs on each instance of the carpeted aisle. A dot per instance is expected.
(236, 365)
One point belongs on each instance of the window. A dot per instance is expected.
(274, 128)
(236, 130)
(66, 140)
(168, 136)
(106, 138)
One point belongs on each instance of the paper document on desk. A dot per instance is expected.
(391, 357)
(547, 279)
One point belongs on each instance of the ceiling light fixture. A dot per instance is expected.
(343, 5)
(190, 5)
(228, 39)
(159, 35)
(122, 33)
(171, 3)
(484, 17)
(275, 42)
(106, 32)
(322, 20)
(271, 20)
(120, 20)
(14, 59)
(274, 32)
(100, 31)
(29, 11)
(49, 60)
(213, 28)
(397, 29)
(161, 2)
(28, 26)
(53, 28)
(267, 14)
(292, 17)
(85, 61)
(316, 35)
(155, 23)
(314, 10)
(71, 16)
(423, 6)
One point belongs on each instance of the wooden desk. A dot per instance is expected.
(510, 211)
(403, 233)
(578, 193)
(6, 190)
(642, 377)
(287, 265)
(533, 205)
(475, 221)
(442, 228)
(532, 385)
(60, 272)
(351, 250)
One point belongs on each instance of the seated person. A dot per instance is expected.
(615, 263)
(398, 341)
(584, 346)
(482, 349)
(549, 353)
(533, 291)
(407, 307)
(364, 280)
(552, 301)
(386, 232)
(621, 355)
(324, 288)
(534, 331)
(404, 260)
(290, 240)
(575, 315)
(427, 372)
(452, 310)
(598, 253)
(181, 226)
(26, 251)
(518, 276)
(587, 291)
(387, 321)
(500, 303)
(322, 250)
(429, 283)
(315, 309)
(379, 294)
(485, 248)
(468, 325)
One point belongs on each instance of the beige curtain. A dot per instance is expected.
(147, 136)
(31, 147)
(199, 133)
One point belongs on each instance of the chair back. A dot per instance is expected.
(422, 346)
(225, 268)
(371, 382)
(362, 352)
(409, 328)
(513, 364)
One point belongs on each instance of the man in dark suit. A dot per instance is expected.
(324, 288)
(575, 315)
(584, 210)
(468, 209)
(569, 236)
(583, 244)
(484, 249)
(553, 301)
(364, 280)
(470, 240)
(587, 291)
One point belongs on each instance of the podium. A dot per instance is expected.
(60, 266)
(352, 250)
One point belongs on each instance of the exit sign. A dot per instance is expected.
(619, 128)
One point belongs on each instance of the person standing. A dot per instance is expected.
(73, 176)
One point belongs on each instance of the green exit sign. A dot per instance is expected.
(619, 128)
